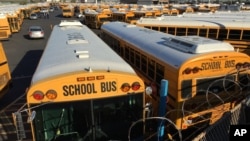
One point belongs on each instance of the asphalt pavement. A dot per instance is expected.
(23, 54)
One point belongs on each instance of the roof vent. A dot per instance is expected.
(196, 44)
(70, 23)
(130, 25)
(77, 41)
(82, 54)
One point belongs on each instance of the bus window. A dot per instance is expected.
(192, 31)
(144, 64)
(203, 32)
(235, 34)
(156, 28)
(151, 69)
(181, 31)
(137, 60)
(132, 56)
(171, 30)
(223, 34)
(245, 34)
(213, 33)
(163, 29)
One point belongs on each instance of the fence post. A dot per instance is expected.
(162, 107)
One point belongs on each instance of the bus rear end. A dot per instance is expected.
(87, 106)
(210, 86)
(5, 32)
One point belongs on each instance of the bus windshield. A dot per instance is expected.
(98, 119)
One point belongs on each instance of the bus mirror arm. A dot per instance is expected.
(59, 123)
(148, 109)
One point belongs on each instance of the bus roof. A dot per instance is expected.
(76, 48)
(175, 49)
(196, 20)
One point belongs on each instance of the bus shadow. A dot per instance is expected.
(21, 76)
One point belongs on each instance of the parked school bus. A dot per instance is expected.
(206, 77)
(95, 19)
(124, 15)
(15, 21)
(68, 11)
(5, 31)
(5, 74)
(86, 91)
(224, 26)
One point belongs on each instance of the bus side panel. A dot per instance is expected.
(5, 75)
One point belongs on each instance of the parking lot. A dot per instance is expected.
(23, 54)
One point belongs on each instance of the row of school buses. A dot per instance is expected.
(95, 16)
(12, 16)
(95, 93)
(89, 90)
(230, 25)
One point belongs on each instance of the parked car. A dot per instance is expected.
(33, 16)
(51, 9)
(44, 10)
(36, 32)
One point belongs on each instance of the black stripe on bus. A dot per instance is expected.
(3, 63)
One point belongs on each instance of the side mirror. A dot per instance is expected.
(31, 117)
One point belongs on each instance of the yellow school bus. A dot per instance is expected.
(82, 90)
(124, 15)
(68, 11)
(5, 31)
(206, 77)
(95, 18)
(5, 74)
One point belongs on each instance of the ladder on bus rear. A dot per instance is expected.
(18, 122)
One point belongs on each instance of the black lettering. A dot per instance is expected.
(114, 86)
(83, 89)
(211, 65)
(71, 90)
(102, 87)
(230, 64)
(79, 89)
(108, 86)
(65, 91)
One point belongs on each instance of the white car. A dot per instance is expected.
(44, 11)
(36, 32)
(33, 16)
(51, 9)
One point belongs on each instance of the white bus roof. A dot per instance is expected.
(203, 20)
(75, 48)
(175, 49)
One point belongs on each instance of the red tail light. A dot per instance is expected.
(246, 65)
(38, 95)
(238, 65)
(187, 71)
(136, 86)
